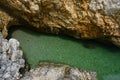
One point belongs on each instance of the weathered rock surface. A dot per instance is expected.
(83, 19)
(51, 71)
(11, 60)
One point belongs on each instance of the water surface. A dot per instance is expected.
(89, 55)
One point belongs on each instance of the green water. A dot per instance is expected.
(95, 56)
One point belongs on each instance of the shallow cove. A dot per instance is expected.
(88, 54)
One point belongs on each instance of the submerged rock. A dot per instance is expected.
(11, 60)
(89, 46)
(51, 71)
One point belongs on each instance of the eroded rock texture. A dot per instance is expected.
(11, 60)
(83, 19)
(51, 71)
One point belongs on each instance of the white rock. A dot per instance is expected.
(14, 44)
(6, 75)
(10, 59)
(52, 71)
(5, 45)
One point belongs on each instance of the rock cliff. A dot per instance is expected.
(82, 19)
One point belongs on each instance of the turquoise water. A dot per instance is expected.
(89, 55)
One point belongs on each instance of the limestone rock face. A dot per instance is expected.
(108, 6)
(51, 71)
(4, 20)
(11, 60)
(83, 19)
